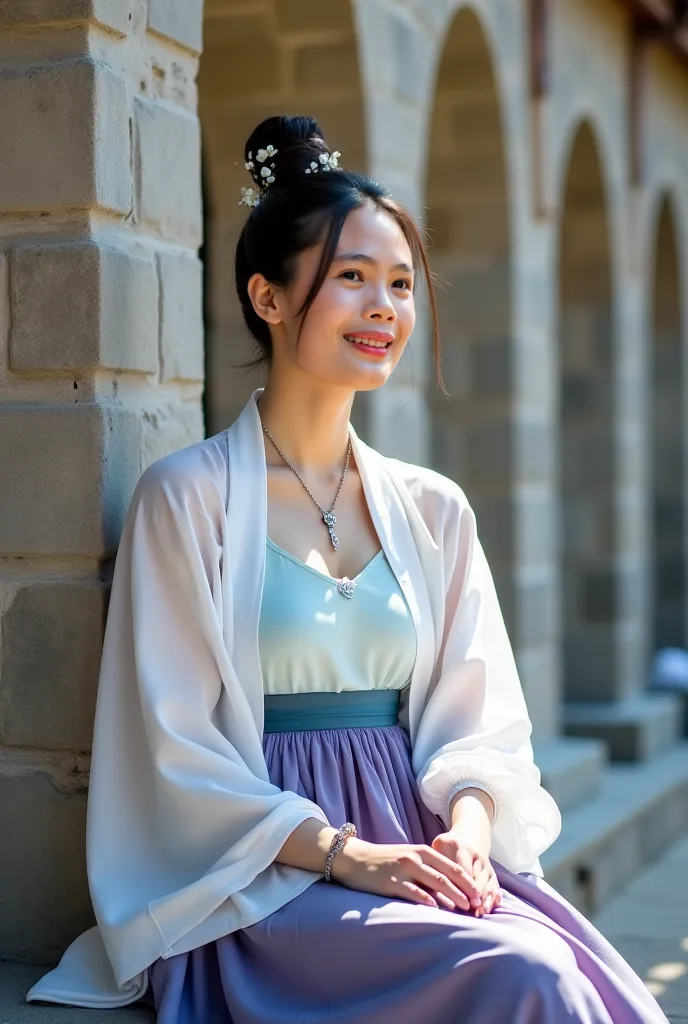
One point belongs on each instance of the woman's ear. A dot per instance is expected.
(263, 298)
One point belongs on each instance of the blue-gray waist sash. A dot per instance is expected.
(297, 712)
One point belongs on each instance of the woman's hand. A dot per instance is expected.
(472, 856)
(411, 871)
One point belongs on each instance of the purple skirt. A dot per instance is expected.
(346, 957)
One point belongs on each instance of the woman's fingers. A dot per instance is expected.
(460, 876)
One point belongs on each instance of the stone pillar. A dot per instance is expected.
(101, 368)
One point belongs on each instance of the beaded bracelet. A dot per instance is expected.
(335, 846)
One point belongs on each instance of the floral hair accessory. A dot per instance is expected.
(266, 177)
(328, 162)
(252, 196)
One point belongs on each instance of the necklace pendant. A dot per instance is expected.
(346, 587)
(329, 521)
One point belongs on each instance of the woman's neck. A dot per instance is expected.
(311, 426)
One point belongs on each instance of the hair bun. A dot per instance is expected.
(282, 149)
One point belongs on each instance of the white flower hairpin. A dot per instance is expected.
(252, 196)
(328, 162)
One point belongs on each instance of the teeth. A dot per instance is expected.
(366, 341)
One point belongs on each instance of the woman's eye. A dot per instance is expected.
(402, 283)
(354, 272)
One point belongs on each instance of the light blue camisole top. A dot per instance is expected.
(312, 637)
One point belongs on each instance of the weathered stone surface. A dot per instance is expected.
(312, 16)
(114, 14)
(49, 660)
(43, 853)
(181, 326)
(73, 470)
(83, 306)
(181, 20)
(170, 173)
(73, 146)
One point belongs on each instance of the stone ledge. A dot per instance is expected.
(641, 809)
(112, 14)
(17, 979)
(571, 769)
(634, 730)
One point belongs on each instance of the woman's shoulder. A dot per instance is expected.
(196, 473)
(427, 486)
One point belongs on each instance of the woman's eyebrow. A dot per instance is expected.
(360, 257)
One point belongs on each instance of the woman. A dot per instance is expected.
(312, 792)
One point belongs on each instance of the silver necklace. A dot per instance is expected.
(345, 586)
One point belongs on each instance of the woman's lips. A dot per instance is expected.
(381, 341)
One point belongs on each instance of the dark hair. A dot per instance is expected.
(297, 210)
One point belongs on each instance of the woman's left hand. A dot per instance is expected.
(476, 861)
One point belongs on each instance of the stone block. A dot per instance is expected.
(170, 171)
(571, 769)
(45, 903)
(113, 14)
(73, 148)
(181, 321)
(492, 369)
(79, 461)
(317, 66)
(83, 306)
(636, 729)
(489, 454)
(239, 61)
(536, 611)
(49, 660)
(313, 16)
(180, 20)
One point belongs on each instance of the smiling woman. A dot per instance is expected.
(312, 791)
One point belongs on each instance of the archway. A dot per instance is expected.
(668, 433)
(468, 220)
(587, 464)
(276, 57)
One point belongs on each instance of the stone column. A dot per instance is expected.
(101, 368)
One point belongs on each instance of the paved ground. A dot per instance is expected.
(648, 924)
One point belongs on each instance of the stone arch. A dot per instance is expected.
(260, 59)
(668, 461)
(468, 223)
(587, 462)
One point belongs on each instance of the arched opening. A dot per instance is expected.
(586, 462)
(258, 61)
(668, 433)
(468, 222)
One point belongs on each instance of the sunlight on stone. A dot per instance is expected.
(655, 988)
(684, 944)
(667, 972)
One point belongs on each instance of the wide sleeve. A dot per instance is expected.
(178, 824)
(475, 729)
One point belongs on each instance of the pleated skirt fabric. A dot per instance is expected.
(340, 956)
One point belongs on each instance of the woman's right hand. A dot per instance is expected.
(411, 871)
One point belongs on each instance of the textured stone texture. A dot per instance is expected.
(633, 730)
(181, 323)
(169, 152)
(181, 20)
(114, 14)
(43, 853)
(49, 659)
(73, 146)
(83, 306)
(81, 462)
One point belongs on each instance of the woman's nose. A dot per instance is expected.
(382, 308)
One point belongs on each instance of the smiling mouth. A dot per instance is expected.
(369, 343)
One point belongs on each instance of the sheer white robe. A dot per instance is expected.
(183, 821)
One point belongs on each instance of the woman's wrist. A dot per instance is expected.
(471, 812)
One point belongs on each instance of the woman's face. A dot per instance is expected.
(361, 319)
